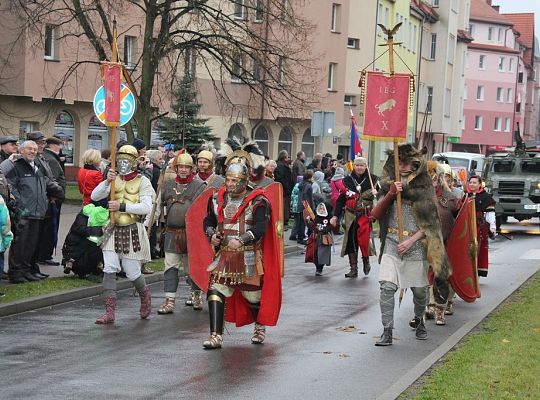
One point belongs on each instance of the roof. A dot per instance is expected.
(524, 24)
(481, 11)
(426, 10)
(492, 47)
(464, 36)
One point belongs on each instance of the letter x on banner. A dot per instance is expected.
(386, 106)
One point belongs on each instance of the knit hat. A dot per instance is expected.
(339, 174)
(138, 144)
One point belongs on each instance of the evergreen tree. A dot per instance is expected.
(186, 130)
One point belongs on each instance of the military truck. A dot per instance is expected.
(513, 179)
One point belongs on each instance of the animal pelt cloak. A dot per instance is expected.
(419, 192)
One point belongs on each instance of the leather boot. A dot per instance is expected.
(146, 302)
(197, 300)
(449, 308)
(216, 310)
(353, 262)
(386, 338)
(430, 311)
(367, 265)
(421, 332)
(439, 315)
(110, 308)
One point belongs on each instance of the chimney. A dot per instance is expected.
(496, 8)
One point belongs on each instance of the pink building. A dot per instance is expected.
(495, 80)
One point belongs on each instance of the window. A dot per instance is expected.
(353, 43)
(259, 7)
(386, 16)
(190, 61)
(498, 124)
(256, 70)
(332, 72)
(239, 9)
(237, 69)
(414, 39)
(433, 46)
(490, 34)
(286, 9)
(336, 18)
(501, 64)
(507, 124)
(520, 77)
(477, 122)
(518, 107)
(447, 102)
(64, 129)
(482, 62)
(50, 42)
(465, 92)
(471, 29)
(261, 137)
(451, 48)
(129, 52)
(349, 100)
(510, 65)
(429, 103)
(500, 94)
(480, 93)
(380, 14)
(282, 65)
(308, 144)
(435, 3)
(500, 35)
(236, 131)
(509, 95)
(285, 140)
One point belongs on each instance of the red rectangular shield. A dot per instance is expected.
(386, 106)
(112, 79)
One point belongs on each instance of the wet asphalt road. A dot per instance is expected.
(59, 353)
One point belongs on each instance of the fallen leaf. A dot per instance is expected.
(506, 341)
(536, 330)
(362, 333)
(343, 355)
(348, 328)
(327, 352)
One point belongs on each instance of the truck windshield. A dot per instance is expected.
(458, 162)
(503, 166)
(531, 167)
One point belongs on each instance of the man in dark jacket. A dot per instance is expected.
(283, 175)
(49, 235)
(8, 146)
(31, 188)
(298, 167)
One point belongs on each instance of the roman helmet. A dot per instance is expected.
(183, 158)
(207, 155)
(126, 159)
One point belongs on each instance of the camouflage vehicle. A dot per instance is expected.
(513, 179)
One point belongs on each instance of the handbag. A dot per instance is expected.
(326, 239)
(311, 248)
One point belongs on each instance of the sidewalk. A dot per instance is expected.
(68, 216)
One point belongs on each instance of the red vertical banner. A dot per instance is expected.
(112, 79)
(386, 106)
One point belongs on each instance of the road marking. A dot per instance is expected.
(533, 254)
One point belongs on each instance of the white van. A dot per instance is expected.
(471, 162)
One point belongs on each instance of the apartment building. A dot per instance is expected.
(523, 27)
(495, 84)
(441, 73)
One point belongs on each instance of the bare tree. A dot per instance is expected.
(263, 46)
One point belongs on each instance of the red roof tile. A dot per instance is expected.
(464, 36)
(481, 11)
(524, 24)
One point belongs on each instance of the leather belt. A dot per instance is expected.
(395, 231)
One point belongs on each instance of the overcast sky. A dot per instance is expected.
(519, 6)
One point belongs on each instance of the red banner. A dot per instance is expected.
(386, 106)
(112, 79)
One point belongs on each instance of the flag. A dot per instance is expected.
(386, 106)
(112, 77)
(356, 146)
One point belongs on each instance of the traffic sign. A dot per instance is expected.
(127, 104)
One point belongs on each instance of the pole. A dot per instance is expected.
(112, 134)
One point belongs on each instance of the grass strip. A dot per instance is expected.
(54, 285)
(499, 360)
(72, 194)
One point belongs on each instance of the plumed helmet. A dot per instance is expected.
(207, 155)
(183, 159)
(127, 152)
(238, 170)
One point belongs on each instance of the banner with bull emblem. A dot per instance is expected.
(386, 106)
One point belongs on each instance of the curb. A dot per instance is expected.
(52, 299)
(403, 383)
